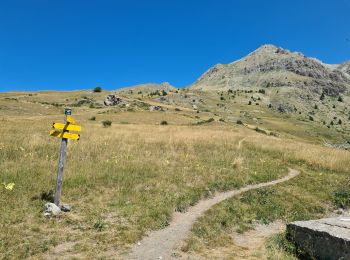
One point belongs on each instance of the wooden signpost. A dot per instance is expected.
(69, 125)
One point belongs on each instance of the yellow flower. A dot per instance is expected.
(9, 186)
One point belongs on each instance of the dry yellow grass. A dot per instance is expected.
(126, 179)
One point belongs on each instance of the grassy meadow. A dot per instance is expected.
(127, 179)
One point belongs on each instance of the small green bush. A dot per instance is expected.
(163, 122)
(98, 89)
(341, 197)
(93, 118)
(107, 123)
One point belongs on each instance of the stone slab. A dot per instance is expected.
(327, 238)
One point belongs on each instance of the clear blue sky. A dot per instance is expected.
(79, 44)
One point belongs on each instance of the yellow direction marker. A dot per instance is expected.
(70, 120)
(66, 127)
(64, 135)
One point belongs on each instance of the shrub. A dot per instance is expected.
(340, 99)
(93, 118)
(163, 122)
(206, 121)
(98, 89)
(239, 122)
(322, 96)
(315, 106)
(340, 122)
(250, 102)
(341, 197)
(222, 98)
(107, 123)
(311, 118)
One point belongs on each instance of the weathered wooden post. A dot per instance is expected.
(69, 125)
(63, 153)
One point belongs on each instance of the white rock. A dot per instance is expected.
(50, 209)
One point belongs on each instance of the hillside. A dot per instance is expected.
(150, 87)
(270, 66)
(285, 81)
(227, 162)
(135, 176)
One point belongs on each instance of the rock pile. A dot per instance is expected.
(112, 100)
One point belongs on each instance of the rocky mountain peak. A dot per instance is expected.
(277, 67)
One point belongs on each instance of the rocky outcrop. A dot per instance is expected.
(270, 66)
(112, 100)
(321, 239)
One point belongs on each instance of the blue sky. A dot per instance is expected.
(73, 44)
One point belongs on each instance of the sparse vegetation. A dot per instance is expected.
(107, 123)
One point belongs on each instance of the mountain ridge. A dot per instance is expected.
(275, 66)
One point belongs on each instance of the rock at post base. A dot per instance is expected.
(66, 208)
(50, 209)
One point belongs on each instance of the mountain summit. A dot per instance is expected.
(271, 66)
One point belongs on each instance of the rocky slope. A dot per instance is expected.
(150, 87)
(345, 67)
(284, 81)
(270, 66)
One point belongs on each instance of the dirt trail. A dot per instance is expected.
(240, 143)
(162, 243)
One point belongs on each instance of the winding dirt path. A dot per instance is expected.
(161, 244)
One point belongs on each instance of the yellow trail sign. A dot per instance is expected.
(64, 135)
(66, 127)
(70, 120)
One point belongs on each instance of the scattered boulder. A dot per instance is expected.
(194, 107)
(155, 108)
(51, 209)
(112, 100)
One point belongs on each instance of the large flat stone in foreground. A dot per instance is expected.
(327, 238)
